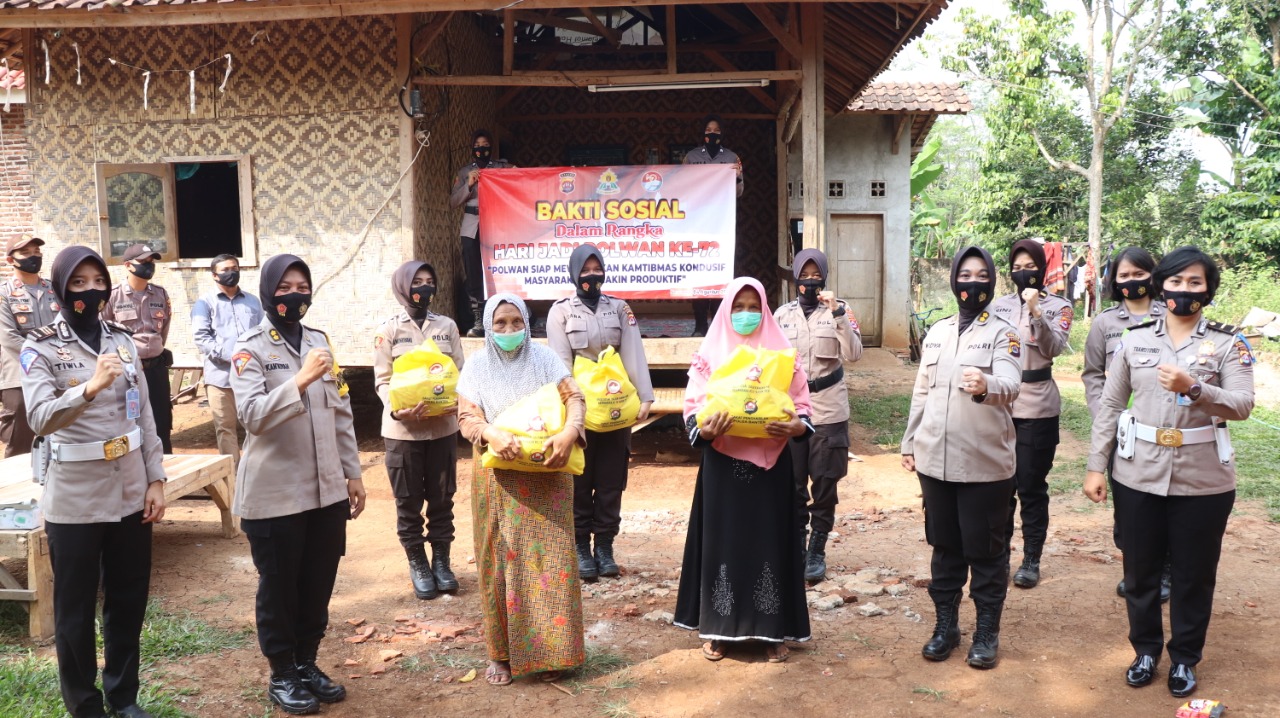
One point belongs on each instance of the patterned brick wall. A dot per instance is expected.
(312, 102)
(15, 178)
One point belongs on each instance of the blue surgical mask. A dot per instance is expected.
(745, 322)
(509, 342)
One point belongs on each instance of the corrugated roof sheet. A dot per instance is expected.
(935, 97)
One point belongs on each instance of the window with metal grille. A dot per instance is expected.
(877, 188)
(790, 190)
(835, 189)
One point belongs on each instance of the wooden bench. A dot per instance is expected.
(187, 474)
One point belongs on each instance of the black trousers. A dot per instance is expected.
(157, 374)
(1190, 529)
(297, 560)
(1037, 446)
(823, 458)
(118, 553)
(597, 492)
(423, 472)
(965, 525)
(473, 274)
(15, 432)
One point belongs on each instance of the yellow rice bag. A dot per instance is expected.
(533, 420)
(754, 387)
(612, 400)
(424, 373)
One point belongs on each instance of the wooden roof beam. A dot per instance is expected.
(539, 48)
(605, 32)
(789, 42)
(757, 92)
(555, 21)
(583, 78)
(728, 18)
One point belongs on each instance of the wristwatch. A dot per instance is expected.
(1194, 392)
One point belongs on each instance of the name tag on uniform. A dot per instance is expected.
(132, 403)
(126, 315)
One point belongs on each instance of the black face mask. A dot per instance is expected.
(711, 141)
(1025, 279)
(973, 295)
(81, 308)
(146, 270)
(228, 279)
(291, 308)
(30, 265)
(807, 290)
(1134, 288)
(589, 285)
(420, 296)
(482, 154)
(1185, 304)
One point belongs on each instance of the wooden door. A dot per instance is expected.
(858, 265)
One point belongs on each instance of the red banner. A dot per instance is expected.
(666, 231)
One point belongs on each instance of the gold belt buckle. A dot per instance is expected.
(1166, 436)
(113, 449)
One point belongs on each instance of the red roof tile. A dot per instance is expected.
(935, 97)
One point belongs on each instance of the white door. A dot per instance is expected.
(858, 265)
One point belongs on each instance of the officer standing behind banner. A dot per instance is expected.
(422, 452)
(582, 326)
(144, 309)
(464, 195)
(1174, 474)
(1044, 322)
(298, 482)
(26, 303)
(825, 334)
(711, 152)
(1130, 285)
(103, 484)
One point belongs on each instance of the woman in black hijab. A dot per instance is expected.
(960, 441)
(298, 481)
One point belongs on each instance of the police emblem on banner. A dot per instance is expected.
(568, 182)
(608, 183)
(652, 181)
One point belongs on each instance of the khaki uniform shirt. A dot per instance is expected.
(301, 448)
(22, 309)
(823, 343)
(1101, 345)
(726, 156)
(147, 314)
(573, 330)
(953, 437)
(396, 336)
(57, 367)
(463, 195)
(1045, 339)
(1222, 363)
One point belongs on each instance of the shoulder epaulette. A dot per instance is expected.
(313, 329)
(119, 327)
(1144, 325)
(1111, 308)
(1224, 328)
(562, 300)
(42, 333)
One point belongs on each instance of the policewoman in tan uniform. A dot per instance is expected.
(1174, 474)
(100, 458)
(1130, 286)
(711, 152)
(825, 334)
(26, 303)
(961, 441)
(1044, 323)
(464, 194)
(298, 481)
(582, 326)
(422, 451)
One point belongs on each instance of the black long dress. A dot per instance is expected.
(743, 575)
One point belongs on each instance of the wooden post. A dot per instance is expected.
(40, 580)
(669, 38)
(508, 41)
(813, 127)
(407, 142)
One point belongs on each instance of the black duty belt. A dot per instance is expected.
(829, 380)
(1033, 376)
(472, 210)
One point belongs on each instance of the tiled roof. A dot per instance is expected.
(101, 4)
(16, 79)
(934, 97)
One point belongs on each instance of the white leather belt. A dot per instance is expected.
(1167, 436)
(108, 450)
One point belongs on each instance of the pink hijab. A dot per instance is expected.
(719, 344)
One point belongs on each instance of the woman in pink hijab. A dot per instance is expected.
(743, 575)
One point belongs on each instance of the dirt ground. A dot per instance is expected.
(1063, 649)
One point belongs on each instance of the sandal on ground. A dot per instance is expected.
(497, 675)
(777, 653)
(713, 650)
(550, 676)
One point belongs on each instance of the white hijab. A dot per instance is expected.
(494, 379)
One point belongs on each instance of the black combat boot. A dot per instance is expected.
(424, 583)
(587, 569)
(986, 640)
(477, 319)
(815, 559)
(1028, 574)
(445, 580)
(946, 632)
(286, 688)
(604, 557)
(320, 685)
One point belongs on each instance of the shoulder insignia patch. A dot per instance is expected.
(1015, 344)
(378, 341)
(631, 317)
(853, 323)
(27, 358)
(1243, 350)
(1065, 316)
(241, 360)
